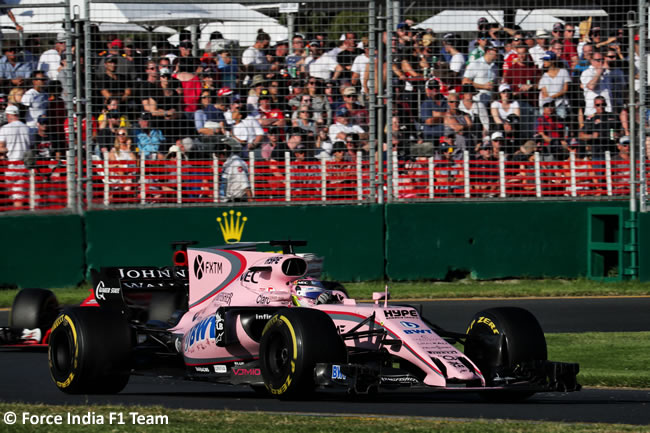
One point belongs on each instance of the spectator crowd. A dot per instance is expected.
(557, 92)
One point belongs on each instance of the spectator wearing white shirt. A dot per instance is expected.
(554, 85)
(253, 57)
(539, 50)
(247, 131)
(50, 60)
(36, 99)
(457, 61)
(594, 82)
(341, 127)
(15, 141)
(482, 74)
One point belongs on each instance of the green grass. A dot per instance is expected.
(436, 290)
(188, 421)
(501, 288)
(616, 359)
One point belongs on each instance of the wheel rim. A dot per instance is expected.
(278, 359)
(61, 350)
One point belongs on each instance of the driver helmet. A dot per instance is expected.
(307, 291)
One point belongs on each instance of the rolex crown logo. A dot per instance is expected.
(232, 226)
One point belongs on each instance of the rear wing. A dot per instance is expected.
(119, 287)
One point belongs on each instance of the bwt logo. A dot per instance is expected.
(201, 267)
(409, 325)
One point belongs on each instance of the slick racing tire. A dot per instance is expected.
(498, 339)
(89, 351)
(34, 308)
(293, 342)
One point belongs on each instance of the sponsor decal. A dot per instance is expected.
(340, 329)
(201, 332)
(224, 298)
(247, 371)
(202, 267)
(232, 226)
(219, 327)
(265, 316)
(220, 368)
(149, 274)
(400, 314)
(400, 380)
(101, 291)
(249, 277)
(337, 374)
(261, 299)
(418, 331)
(202, 369)
(409, 324)
(273, 260)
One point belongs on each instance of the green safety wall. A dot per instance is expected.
(400, 241)
(41, 251)
(487, 240)
(349, 237)
(644, 247)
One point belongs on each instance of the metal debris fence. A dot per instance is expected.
(395, 86)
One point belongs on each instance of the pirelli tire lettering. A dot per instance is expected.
(293, 342)
(484, 320)
(63, 377)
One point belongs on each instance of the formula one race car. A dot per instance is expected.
(254, 318)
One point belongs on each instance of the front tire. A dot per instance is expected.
(89, 351)
(499, 339)
(34, 308)
(293, 342)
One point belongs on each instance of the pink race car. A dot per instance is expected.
(258, 318)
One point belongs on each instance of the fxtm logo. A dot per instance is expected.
(232, 226)
(201, 267)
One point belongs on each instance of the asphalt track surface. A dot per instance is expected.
(24, 376)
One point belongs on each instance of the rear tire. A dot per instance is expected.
(90, 351)
(293, 342)
(513, 336)
(34, 308)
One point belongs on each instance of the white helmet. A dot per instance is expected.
(309, 292)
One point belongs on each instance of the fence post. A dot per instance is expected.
(251, 157)
(323, 180)
(432, 183)
(287, 176)
(359, 177)
(466, 173)
(215, 179)
(572, 170)
(32, 189)
(395, 166)
(143, 181)
(502, 174)
(107, 179)
(538, 176)
(179, 178)
(608, 173)
(69, 178)
(251, 172)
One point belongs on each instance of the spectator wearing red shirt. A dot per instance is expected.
(522, 76)
(570, 50)
(551, 130)
(269, 116)
(190, 83)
